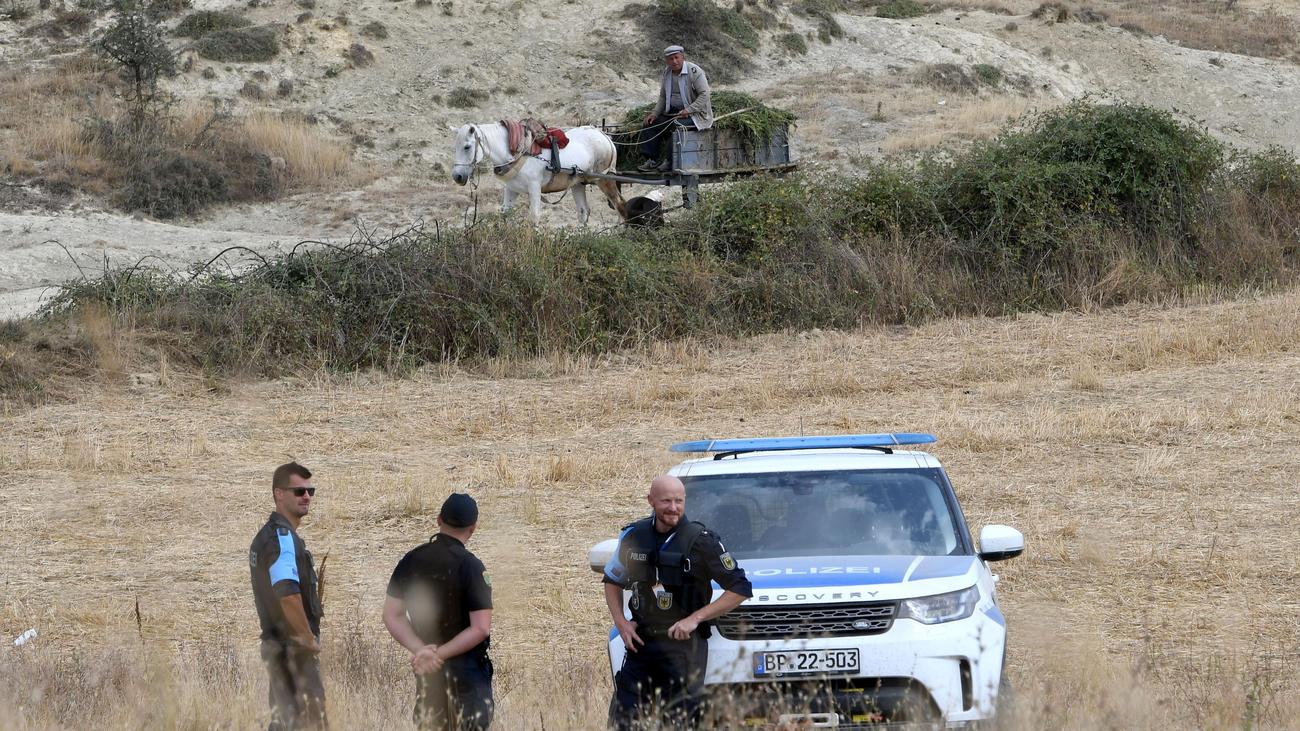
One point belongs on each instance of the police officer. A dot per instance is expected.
(667, 562)
(439, 607)
(288, 605)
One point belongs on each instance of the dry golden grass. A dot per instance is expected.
(47, 110)
(313, 160)
(1147, 453)
(49, 138)
(1213, 25)
(960, 120)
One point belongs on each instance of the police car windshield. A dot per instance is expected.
(859, 512)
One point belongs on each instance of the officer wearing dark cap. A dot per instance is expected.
(439, 607)
(288, 605)
(667, 562)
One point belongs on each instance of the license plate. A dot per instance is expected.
(783, 663)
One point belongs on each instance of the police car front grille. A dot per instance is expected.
(817, 620)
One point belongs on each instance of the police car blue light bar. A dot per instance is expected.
(782, 444)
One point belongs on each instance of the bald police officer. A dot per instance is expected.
(667, 562)
(439, 607)
(288, 605)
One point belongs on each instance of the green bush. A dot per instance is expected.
(744, 221)
(793, 42)
(988, 74)
(889, 200)
(1273, 171)
(1125, 165)
(900, 9)
(257, 44)
(203, 22)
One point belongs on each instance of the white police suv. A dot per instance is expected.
(872, 605)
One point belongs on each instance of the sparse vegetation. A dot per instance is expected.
(823, 11)
(721, 39)
(988, 74)
(1213, 26)
(15, 10)
(1051, 12)
(199, 24)
(793, 42)
(375, 29)
(465, 98)
(949, 77)
(172, 185)
(359, 55)
(253, 44)
(900, 9)
(64, 24)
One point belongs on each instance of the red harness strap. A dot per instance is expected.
(519, 132)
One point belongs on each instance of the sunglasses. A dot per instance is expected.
(300, 491)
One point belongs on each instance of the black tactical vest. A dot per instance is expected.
(670, 566)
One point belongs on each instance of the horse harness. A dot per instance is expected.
(524, 138)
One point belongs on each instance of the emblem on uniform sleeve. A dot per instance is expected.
(728, 562)
(487, 579)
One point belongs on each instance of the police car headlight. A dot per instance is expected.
(941, 607)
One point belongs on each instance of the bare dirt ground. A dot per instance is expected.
(858, 97)
(1146, 453)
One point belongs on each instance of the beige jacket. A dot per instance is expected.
(694, 86)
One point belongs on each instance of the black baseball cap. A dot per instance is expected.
(459, 510)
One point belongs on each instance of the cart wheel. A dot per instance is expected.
(644, 212)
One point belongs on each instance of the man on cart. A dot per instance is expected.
(683, 101)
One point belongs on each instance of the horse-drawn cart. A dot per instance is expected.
(709, 156)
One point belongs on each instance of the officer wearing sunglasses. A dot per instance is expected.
(288, 604)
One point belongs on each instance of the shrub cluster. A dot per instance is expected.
(828, 28)
(1082, 206)
(260, 43)
(793, 42)
(1021, 196)
(463, 97)
(900, 9)
(721, 39)
(203, 22)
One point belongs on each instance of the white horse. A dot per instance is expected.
(589, 150)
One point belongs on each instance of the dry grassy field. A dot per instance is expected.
(1148, 454)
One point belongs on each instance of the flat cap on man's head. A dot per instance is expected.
(459, 510)
(673, 49)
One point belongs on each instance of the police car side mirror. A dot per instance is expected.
(600, 554)
(1000, 542)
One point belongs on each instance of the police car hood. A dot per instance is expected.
(826, 579)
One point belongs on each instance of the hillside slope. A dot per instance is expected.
(870, 92)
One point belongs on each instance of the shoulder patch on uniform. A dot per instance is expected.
(728, 562)
(487, 579)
